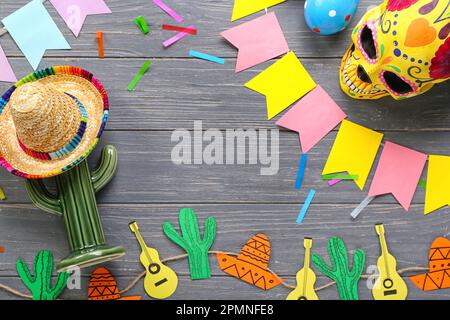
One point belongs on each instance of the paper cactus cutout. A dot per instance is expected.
(75, 201)
(40, 283)
(190, 241)
(346, 279)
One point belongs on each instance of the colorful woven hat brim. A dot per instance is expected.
(74, 81)
(248, 272)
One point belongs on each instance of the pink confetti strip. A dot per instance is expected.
(169, 11)
(333, 182)
(175, 38)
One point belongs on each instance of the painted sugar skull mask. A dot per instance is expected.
(400, 48)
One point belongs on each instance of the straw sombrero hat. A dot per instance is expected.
(103, 286)
(438, 276)
(251, 265)
(50, 121)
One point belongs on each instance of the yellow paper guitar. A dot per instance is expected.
(389, 285)
(160, 281)
(305, 278)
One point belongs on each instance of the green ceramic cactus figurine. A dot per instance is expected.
(346, 280)
(40, 284)
(75, 202)
(190, 241)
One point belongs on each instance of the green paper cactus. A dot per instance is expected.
(75, 201)
(190, 241)
(346, 280)
(40, 283)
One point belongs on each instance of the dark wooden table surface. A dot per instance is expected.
(177, 90)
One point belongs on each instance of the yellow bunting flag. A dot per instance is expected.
(243, 8)
(437, 192)
(354, 151)
(283, 83)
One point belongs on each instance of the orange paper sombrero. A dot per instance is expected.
(438, 276)
(251, 264)
(103, 286)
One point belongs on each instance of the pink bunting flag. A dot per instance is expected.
(74, 12)
(398, 172)
(313, 117)
(258, 40)
(6, 72)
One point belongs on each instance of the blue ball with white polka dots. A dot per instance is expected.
(329, 16)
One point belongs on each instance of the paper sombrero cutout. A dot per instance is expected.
(103, 286)
(251, 264)
(438, 276)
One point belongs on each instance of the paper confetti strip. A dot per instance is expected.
(168, 10)
(34, 31)
(205, 56)
(313, 117)
(175, 38)
(101, 50)
(301, 171)
(2, 194)
(422, 184)
(333, 182)
(74, 12)
(437, 194)
(258, 40)
(243, 8)
(139, 75)
(6, 72)
(305, 207)
(355, 213)
(169, 27)
(353, 151)
(340, 176)
(398, 172)
(142, 24)
(282, 83)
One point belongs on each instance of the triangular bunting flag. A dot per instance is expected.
(313, 117)
(34, 31)
(437, 193)
(398, 172)
(282, 83)
(354, 151)
(74, 12)
(257, 41)
(6, 72)
(243, 8)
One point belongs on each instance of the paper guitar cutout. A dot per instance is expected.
(389, 285)
(160, 281)
(283, 83)
(437, 194)
(258, 40)
(191, 242)
(103, 286)
(438, 276)
(306, 278)
(346, 279)
(398, 172)
(251, 264)
(354, 151)
(313, 117)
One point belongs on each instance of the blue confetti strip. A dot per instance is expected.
(305, 207)
(205, 56)
(301, 171)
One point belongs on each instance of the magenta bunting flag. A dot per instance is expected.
(6, 72)
(74, 12)
(398, 172)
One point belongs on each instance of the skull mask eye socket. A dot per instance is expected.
(367, 43)
(396, 84)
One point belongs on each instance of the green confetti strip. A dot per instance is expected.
(139, 75)
(142, 24)
(423, 184)
(340, 176)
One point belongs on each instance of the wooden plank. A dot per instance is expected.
(146, 173)
(123, 38)
(174, 93)
(409, 237)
